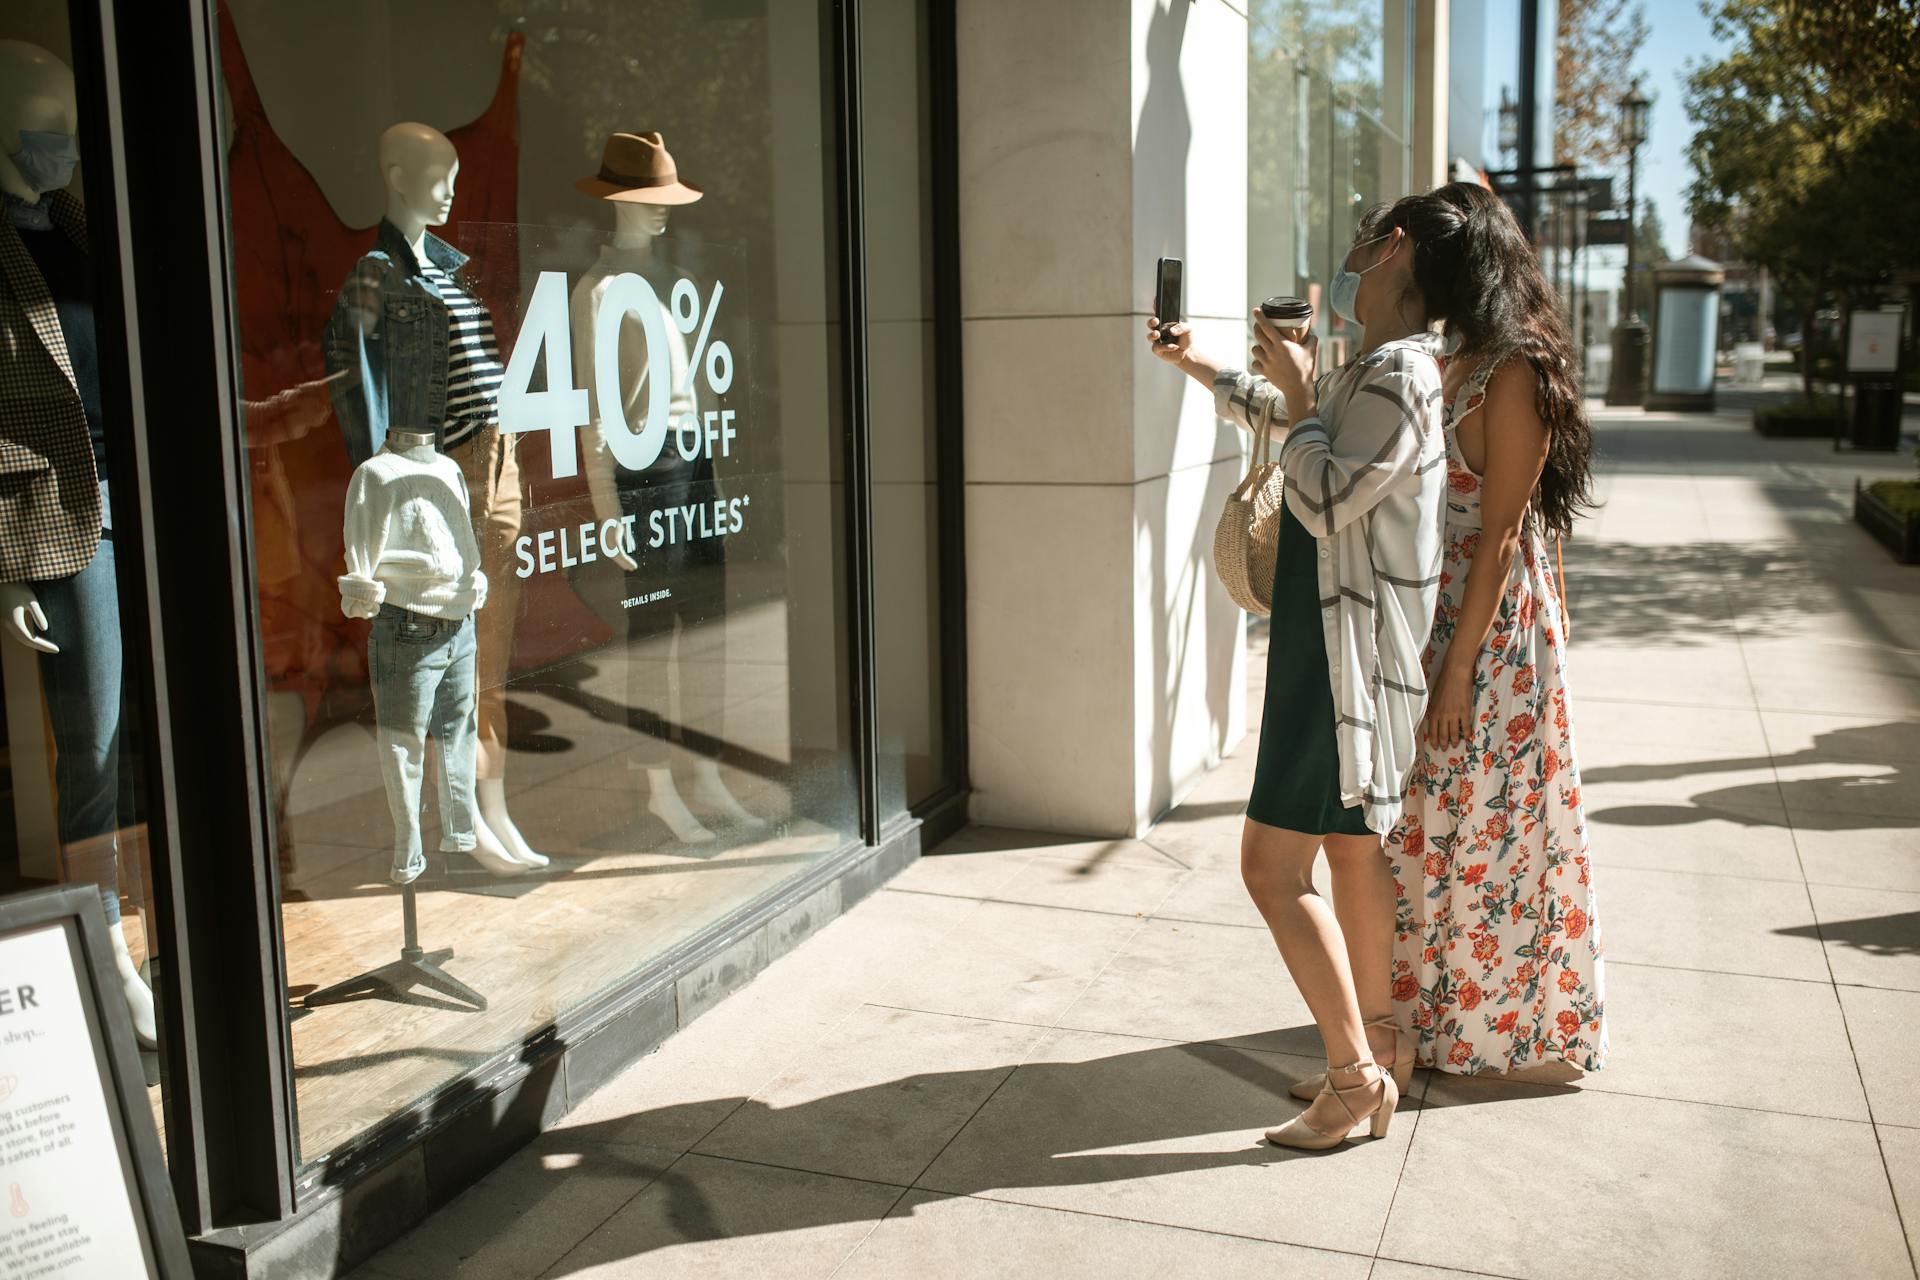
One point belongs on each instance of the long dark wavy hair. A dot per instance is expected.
(1474, 269)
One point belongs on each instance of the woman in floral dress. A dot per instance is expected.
(1497, 955)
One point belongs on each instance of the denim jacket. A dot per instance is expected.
(388, 332)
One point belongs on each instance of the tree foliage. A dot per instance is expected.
(1598, 43)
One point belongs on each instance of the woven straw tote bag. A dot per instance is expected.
(1247, 539)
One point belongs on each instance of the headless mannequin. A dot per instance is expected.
(37, 96)
(419, 166)
(636, 226)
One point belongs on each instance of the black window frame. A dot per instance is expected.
(148, 76)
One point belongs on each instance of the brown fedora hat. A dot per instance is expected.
(637, 167)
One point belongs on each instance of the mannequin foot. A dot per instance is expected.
(138, 994)
(493, 812)
(491, 854)
(664, 803)
(710, 789)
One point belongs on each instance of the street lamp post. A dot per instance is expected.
(1627, 384)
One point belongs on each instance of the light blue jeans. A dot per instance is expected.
(422, 672)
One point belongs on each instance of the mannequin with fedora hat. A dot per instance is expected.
(639, 180)
(412, 349)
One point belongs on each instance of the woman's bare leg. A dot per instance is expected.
(1364, 902)
(1277, 868)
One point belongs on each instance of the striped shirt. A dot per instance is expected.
(1367, 477)
(474, 372)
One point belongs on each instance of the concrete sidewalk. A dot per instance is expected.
(1041, 1057)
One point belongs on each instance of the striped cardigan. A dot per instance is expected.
(1367, 477)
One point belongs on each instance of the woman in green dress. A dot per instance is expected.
(1353, 606)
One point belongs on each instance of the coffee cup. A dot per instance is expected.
(1292, 316)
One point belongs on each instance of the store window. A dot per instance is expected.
(72, 799)
(1329, 95)
(537, 309)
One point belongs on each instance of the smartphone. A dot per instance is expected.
(1166, 298)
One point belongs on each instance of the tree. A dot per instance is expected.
(1803, 151)
(1598, 43)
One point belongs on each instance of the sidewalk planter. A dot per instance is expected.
(1895, 523)
(1799, 419)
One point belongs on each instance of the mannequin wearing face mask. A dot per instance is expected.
(58, 592)
(1354, 589)
(414, 349)
(640, 182)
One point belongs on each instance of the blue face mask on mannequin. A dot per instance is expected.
(1345, 287)
(46, 160)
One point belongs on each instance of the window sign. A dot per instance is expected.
(83, 1191)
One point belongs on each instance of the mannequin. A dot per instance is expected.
(58, 590)
(413, 567)
(392, 387)
(639, 179)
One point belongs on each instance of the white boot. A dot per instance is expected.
(664, 803)
(134, 988)
(490, 853)
(492, 793)
(711, 791)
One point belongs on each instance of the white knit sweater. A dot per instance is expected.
(410, 538)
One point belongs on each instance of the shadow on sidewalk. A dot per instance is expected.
(1043, 1124)
(1892, 935)
(1844, 803)
(1675, 593)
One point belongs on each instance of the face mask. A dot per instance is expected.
(1345, 287)
(46, 160)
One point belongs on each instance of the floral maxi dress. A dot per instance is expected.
(1497, 952)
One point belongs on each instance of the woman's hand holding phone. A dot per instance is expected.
(1171, 346)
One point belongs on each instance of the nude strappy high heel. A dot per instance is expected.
(1309, 1089)
(1299, 1134)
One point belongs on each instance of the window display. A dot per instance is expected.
(546, 445)
(66, 691)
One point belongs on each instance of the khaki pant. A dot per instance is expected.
(493, 489)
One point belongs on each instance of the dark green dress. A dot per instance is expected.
(1296, 784)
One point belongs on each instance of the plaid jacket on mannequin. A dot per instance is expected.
(49, 492)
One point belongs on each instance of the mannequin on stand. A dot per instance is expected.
(413, 567)
(639, 180)
(58, 591)
(418, 349)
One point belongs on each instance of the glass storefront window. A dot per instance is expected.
(1329, 94)
(72, 802)
(537, 312)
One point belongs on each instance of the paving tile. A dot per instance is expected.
(1175, 980)
(1881, 1024)
(1202, 835)
(1388, 1269)
(1872, 935)
(1801, 737)
(1213, 895)
(1709, 922)
(1671, 1189)
(1759, 850)
(1692, 1036)
(675, 1096)
(965, 1238)
(1095, 882)
(1609, 730)
(706, 1218)
(527, 1214)
(878, 1097)
(1901, 1149)
(1879, 858)
(1159, 1132)
(1008, 961)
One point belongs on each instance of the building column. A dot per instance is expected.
(1106, 668)
(1431, 54)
